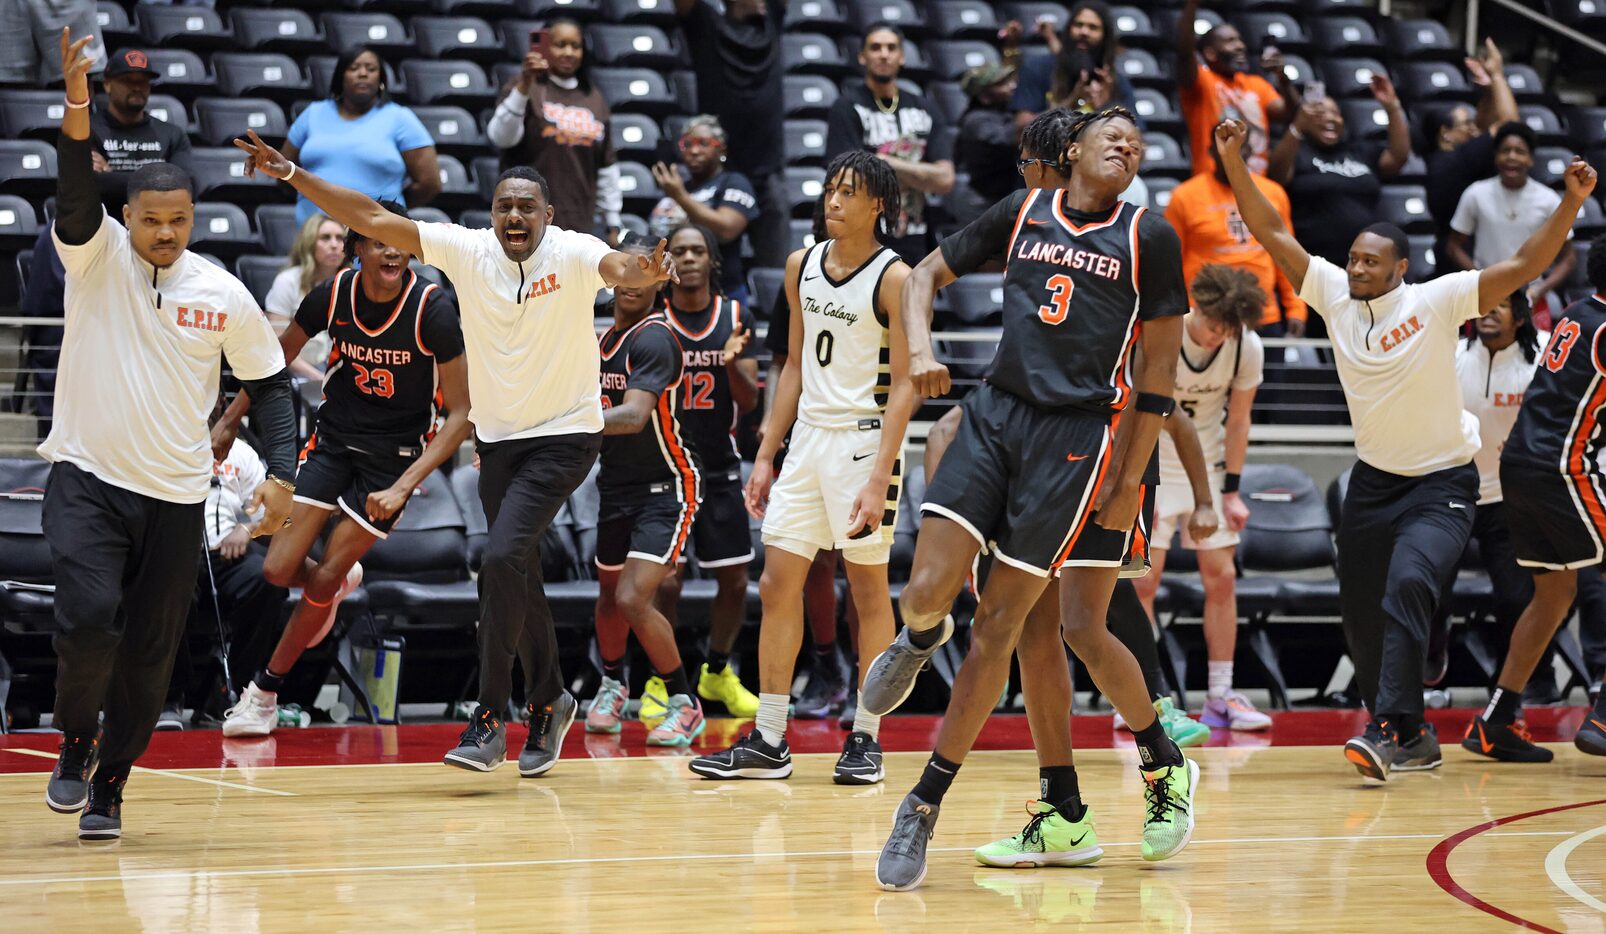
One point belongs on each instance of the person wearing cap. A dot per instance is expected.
(988, 137)
(125, 136)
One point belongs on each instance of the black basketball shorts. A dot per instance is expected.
(333, 476)
(721, 535)
(650, 523)
(1557, 521)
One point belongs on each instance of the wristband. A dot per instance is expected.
(76, 105)
(1156, 404)
(292, 173)
(1230, 484)
(1294, 132)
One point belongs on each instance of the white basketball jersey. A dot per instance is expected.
(847, 370)
(1491, 388)
(1204, 379)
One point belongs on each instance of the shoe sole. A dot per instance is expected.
(708, 771)
(1218, 724)
(1590, 744)
(679, 742)
(910, 687)
(856, 778)
(890, 887)
(562, 734)
(473, 765)
(92, 835)
(1187, 835)
(249, 732)
(602, 730)
(739, 714)
(1086, 856)
(1416, 766)
(1366, 762)
(66, 808)
(1502, 755)
(168, 727)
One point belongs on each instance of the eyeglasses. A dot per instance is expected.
(695, 143)
(1021, 164)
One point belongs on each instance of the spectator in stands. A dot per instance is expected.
(985, 152)
(702, 191)
(30, 38)
(1333, 182)
(1461, 151)
(44, 298)
(1207, 222)
(901, 127)
(316, 255)
(1216, 85)
(359, 138)
(1502, 212)
(1078, 71)
(737, 60)
(552, 119)
(125, 136)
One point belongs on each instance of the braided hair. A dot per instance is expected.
(716, 260)
(877, 179)
(1049, 136)
(1229, 294)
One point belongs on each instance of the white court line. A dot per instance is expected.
(1556, 868)
(590, 860)
(171, 774)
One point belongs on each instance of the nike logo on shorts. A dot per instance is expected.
(1073, 458)
(860, 457)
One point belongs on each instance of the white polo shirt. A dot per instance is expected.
(1396, 360)
(533, 366)
(140, 362)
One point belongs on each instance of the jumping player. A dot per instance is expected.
(395, 358)
(846, 385)
(1552, 481)
(1039, 474)
(649, 485)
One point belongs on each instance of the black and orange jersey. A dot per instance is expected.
(1558, 427)
(707, 410)
(380, 390)
(1077, 289)
(646, 356)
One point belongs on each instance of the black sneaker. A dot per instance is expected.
(103, 817)
(1508, 742)
(860, 763)
(1372, 753)
(825, 693)
(483, 745)
(1421, 753)
(171, 718)
(548, 726)
(1591, 738)
(751, 757)
(68, 790)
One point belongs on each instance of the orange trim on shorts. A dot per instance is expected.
(1093, 497)
(1578, 469)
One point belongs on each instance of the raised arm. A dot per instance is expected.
(1399, 147)
(1497, 105)
(78, 210)
(352, 208)
(1187, 61)
(870, 505)
(935, 178)
(1259, 215)
(1540, 250)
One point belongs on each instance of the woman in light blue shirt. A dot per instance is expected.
(360, 139)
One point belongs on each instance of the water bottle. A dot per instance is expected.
(1436, 699)
(291, 716)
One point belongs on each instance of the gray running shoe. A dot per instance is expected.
(902, 865)
(893, 673)
(103, 816)
(1421, 753)
(1372, 753)
(548, 726)
(68, 790)
(483, 745)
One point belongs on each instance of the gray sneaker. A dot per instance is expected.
(1421, 753)
(902, 865)
(892, 674)
(548, 726)
(68, 789)
(1372, 753)
(103, 816)
(483, 745)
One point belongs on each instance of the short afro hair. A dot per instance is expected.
(1518, 129)
(1229, 294)
(160, 176)
(527, 174)
(1393, 234)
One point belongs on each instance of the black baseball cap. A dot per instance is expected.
(129, 62)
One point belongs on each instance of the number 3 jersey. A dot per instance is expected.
(1558, 427)
(847, 369)
(380, 392)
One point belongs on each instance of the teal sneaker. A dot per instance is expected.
(1183, 729)
(1168, 806)
(1048, 839)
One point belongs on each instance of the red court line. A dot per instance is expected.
(1439, 863)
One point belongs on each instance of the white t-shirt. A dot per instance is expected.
(1500, 219)
(139, 366)
(283, 301)
(533, 366)
(238, 477)
(1396, 360)
(1204, 379)
(1491, 389)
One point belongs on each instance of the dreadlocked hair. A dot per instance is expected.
(1527, 336)
(716, 260)
(1049, 135)
(876, 178)
(1112, 112)
(1229, 294)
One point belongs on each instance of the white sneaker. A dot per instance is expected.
(255, 715)
(352, 582)
(1234, 712)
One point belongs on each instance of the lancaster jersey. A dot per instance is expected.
(1077, 288)
(1558, 427)
(707, 410)
(646, 357)
(380, 392)
(847, 363)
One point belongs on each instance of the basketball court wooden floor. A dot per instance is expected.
(361, 828)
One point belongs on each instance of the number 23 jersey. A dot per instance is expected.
(1558, 427)
(847, 368)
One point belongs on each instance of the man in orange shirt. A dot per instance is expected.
(1220, 87)
(1207, 222)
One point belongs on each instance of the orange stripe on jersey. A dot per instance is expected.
(713, 319)
(412, 280)
(334, 295)
(1020, 218)
(669, 434)
(418, 320)
(1137, 256)
(1579, 470)
(1059, 203)
(1106, 453)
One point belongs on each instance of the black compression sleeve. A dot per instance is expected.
(275, 418)
(78, 210)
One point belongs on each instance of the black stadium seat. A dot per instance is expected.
(963, 19)
(457, 37)
(425, 214)
(635, 90)
(1136, 27)
(277, 227)
(633, 46)
(1545, 124)
(221, 119)
(1526, 85)
(258, 273)
(583, 10)
(1434, 81)
(1424, 259)
(1350, 77)
(1550, 163)
(461, 84)
(222, 230)
(260, 74)
(1155, 108)
(808, 95)
(977, 299)
(19, 225)
(805, 142)
(116, 29)
(1143, 69)
(1029, 13)
(276, 30)
(458, 190)
(1160, 189)
(637, 187)
(31, 114)
(220, 176)
(1588, 126)
(485, 171)
(168, 109)
(181, 73)
(813, 53)
(1421, 40)
(769, 292)
(1347, 35)
(803, 186)
(1365, 118)
(1163, 155)
(635, 137)
(823, 16)
(950, 60)
(640, 12)
(1406, 206)
(491, 10)
(381, 32)
(949, 98)
(186, 27)
(475, 220)
(27, 166)
(1278, 29)
(454, 130)
(900, 13)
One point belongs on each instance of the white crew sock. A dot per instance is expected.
(771, 720)
(866, 722)
(1220, 681)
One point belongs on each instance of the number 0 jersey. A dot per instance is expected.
(707, 410)
(380, 392)
(1558, 427)
(847, 365)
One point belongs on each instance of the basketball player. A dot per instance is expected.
(649, 487)
(396, 356)
(1222, 360)
(846, 387)
(1409, 508)
(1552, 481)
(148, 324)
(720, 386)
(526, 289)
(1039, 474)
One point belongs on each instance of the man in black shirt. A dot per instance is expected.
(901, 127)
(125, 136)
(988, 137)
(1460, 149)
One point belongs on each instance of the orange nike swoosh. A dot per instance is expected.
(338, 321)
(1597, 723)
(1484, 741)
(1033, 222)
(1076, 457)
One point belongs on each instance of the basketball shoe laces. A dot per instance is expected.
(1162, 802)
(75, 752)
(1033, 831)
(906, 836)
(480, 729)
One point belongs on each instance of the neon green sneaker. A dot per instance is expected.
(654, 702)
(1048, 839)
(726, 688)
(1183, 729)
(1168, 806)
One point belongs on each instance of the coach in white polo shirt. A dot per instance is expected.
(526, 290)
(1411, 498)
(148, 325)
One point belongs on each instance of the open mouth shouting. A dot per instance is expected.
(391, 271)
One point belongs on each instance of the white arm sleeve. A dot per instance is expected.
(609, 199)
(506, 126)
